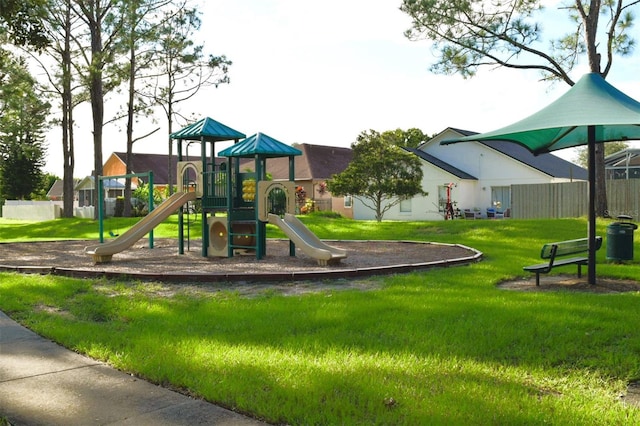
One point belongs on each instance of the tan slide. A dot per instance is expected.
(102, 253)
(308, 242)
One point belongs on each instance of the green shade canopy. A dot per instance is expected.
(563, 124)
(260, 145)
(592, 111)
(209, 130)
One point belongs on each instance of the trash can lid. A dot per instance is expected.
(626, 225)
(624, 217)
(622, 225)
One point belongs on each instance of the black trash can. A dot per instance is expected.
(620, 239)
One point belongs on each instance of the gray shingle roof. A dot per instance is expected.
(317, 162)
(158, 163)
(441, 164)
(546, 163)
(325, 161)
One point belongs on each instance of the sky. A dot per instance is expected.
(323, 72)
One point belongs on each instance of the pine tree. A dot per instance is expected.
(22, 123)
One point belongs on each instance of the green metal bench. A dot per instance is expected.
(556, 252)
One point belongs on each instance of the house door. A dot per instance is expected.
(501, 197)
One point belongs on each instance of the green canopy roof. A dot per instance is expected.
(563, 124)
(209, 130)
(261, 145)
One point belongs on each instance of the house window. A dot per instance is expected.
(348, 202)
(405, 205)
(442, 198)
(501, 197)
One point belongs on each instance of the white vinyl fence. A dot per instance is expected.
(31, 210)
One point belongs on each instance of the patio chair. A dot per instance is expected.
(491, 213)
(502, 215)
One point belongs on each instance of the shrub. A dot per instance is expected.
(330, 214)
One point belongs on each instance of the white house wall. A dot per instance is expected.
(425, 208)
(491, 167)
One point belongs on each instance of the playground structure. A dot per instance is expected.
(236, 205)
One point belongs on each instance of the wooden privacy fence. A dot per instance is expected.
(623, 197)
(570, 199)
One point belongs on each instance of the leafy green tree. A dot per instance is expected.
(23, 22)
(46, 182)
(468, 35)
(380, 175)
(609, 148)
(472, 34)
(22, 124)
(141, 194)
(411, 138)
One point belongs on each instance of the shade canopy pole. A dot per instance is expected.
(591, 147)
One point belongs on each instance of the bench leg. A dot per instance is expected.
(579, 270)
(537, 279)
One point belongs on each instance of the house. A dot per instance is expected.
(56, 192)
(623, 164)
(316, 165)
(116, 165)
(85, 188)
(474, 175)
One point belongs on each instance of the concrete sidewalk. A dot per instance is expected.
(42, 383)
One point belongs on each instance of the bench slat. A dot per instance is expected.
(557, 262)
(539, 267)
(564, 248)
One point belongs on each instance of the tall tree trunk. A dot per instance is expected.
(67, 122)
(591, 28)
(68, 155)
(170, 124)
(130, 114)
(97, 98)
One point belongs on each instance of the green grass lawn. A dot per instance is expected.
(445, 346)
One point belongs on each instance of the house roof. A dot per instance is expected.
(441, 164)
(317, 162)
(88, 183)
(546, 163)
(629, 156)
(57, 189)
(325, 161)
(157, 163)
